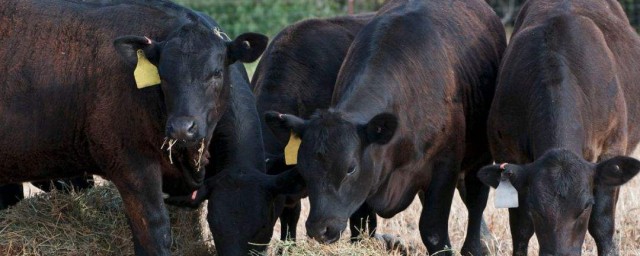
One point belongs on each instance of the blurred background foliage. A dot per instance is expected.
(271, 16)
(508, 10)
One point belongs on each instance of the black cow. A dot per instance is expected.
(243, 201)
(70, 103)
(569, 80)
(243, 206)
(296, 75)
(410, 105)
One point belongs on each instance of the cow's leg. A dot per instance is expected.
(436, 206)
(521, 227)
(602, 220)
(361, 220)
(474, 195)
(10, 194)
(372, 221)
(289, 221)
(141, 191)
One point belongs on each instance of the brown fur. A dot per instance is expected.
(418, 79)
(70, 105)
(569, 80)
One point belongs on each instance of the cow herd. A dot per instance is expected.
(359, 113)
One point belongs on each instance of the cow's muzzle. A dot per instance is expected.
(325, 231)
(184, 129)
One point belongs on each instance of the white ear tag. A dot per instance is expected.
(506, 195)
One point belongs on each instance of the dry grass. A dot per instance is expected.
(92, 223)
(87, 223)
(405, 225)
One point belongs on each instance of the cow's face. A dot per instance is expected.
(243, 207)
(558, 193)
(333, 163)
(193, 67)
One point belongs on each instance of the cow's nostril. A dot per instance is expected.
(183, 129)
(323, 231)
(192, 129)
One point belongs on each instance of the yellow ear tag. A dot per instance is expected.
(146, 74)
(291, 150)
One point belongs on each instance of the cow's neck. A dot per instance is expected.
(363, 101)
(558, 122)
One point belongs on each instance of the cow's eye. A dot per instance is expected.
(217, 74)
(586, 207)
(352, 170)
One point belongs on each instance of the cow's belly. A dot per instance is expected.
(41, 138)
(22, 162)
(18, 172)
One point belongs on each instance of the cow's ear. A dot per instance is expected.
(491, 175)
(278, 121)
(381, 128)
(275, 162)
(616, 171)
(128, 46)
(287, 183)
(246, 47)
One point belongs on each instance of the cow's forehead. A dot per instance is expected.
(335, 133)
(560, 161)
(193, 38)
(560, 184)
(194, 46)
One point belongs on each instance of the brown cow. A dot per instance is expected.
(70, 105)
(567, 95)
(409, 111)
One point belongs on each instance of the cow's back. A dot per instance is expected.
(564, 82)
(301, 64)
(297, 72)
(438, 58)
(624, 43)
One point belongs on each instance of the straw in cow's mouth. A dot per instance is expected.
(170, 144)
(196, 162)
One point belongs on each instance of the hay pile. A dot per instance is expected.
(366, 247)
(91, 222)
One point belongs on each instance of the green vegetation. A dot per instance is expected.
(270, 16)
